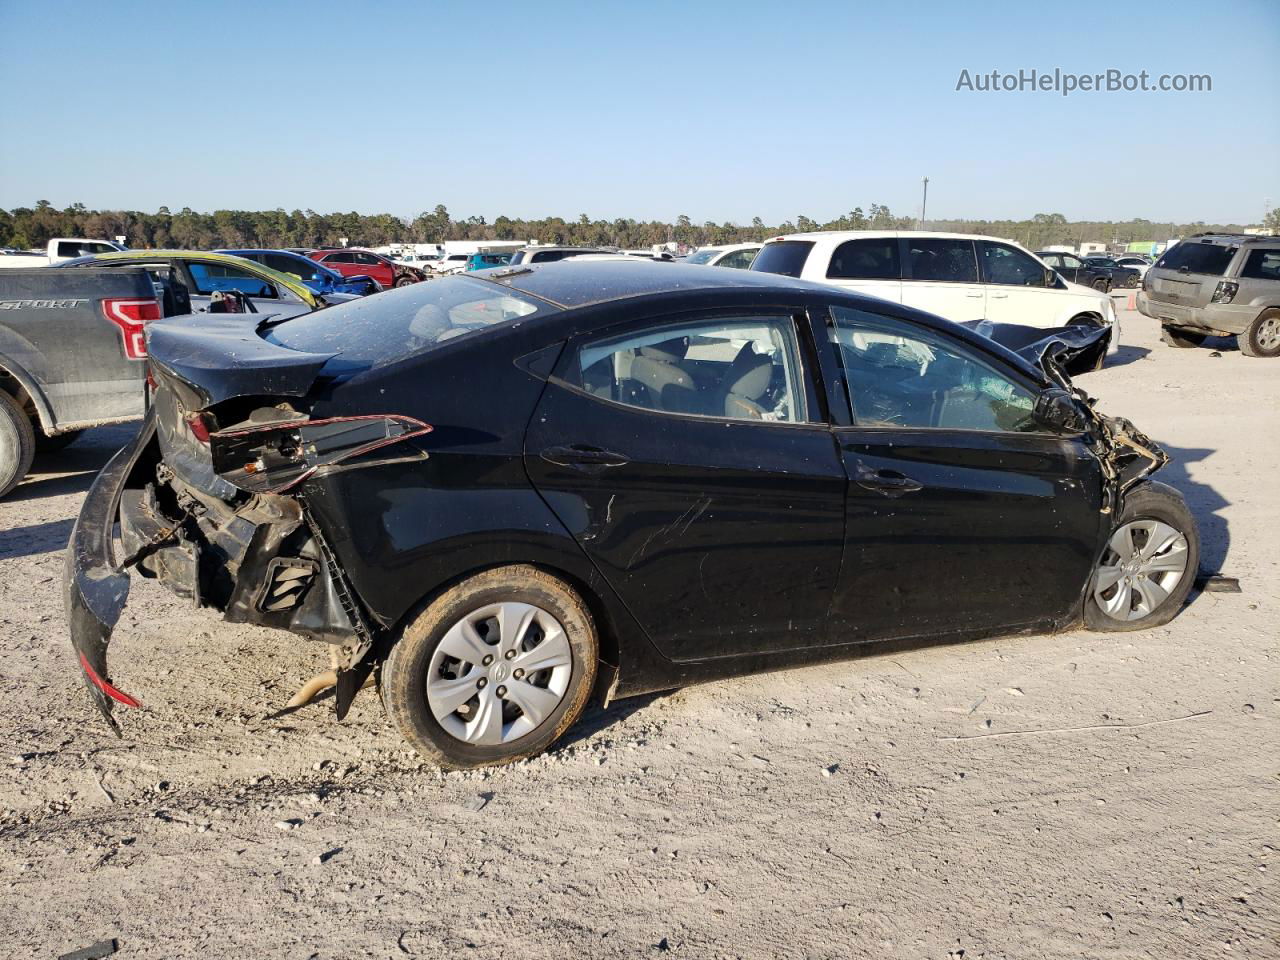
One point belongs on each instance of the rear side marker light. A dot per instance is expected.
(132, 316)
(119, 696)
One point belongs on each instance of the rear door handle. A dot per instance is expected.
(584, 457)
(974, 296)
(1000, 296)
(890, 483)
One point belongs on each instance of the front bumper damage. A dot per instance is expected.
(260, 561)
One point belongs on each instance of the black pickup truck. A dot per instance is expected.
(72, 356)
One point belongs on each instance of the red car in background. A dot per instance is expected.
(352, 262)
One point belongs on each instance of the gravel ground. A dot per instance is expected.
(1078, 795)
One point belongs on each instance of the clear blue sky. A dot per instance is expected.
(721, 111)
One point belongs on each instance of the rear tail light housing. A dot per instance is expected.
(272, 458)
(132, 316)
(1225, 291)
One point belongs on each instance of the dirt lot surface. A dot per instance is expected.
(1079, 795)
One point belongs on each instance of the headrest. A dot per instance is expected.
(669, 351)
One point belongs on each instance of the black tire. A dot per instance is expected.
(1102, 285)
(404, 281)
(1182, 339)
(1159, 502)
(17, 443)
(404, 676)
(1262, 339)
(48, 444)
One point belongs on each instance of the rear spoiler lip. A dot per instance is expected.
(221, 356)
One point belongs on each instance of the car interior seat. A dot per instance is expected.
(657, 368)
(746, 383)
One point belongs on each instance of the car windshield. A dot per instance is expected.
(376, 330)
(702, 256)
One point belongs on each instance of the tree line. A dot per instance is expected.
(24, 227)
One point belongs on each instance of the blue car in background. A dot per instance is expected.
(483, 261)
(316, 277)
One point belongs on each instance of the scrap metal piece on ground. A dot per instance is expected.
(1216, 583)
(95, 951)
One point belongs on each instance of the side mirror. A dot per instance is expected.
(1057, 411)
(1050, 278)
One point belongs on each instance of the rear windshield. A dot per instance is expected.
(1207, 258)
(785, 257)
(392, 325)
(702, 256)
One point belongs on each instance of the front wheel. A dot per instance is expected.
(1262, 339)
(493, 670)
(1148, 565)
(1102, 286)
(404, 281)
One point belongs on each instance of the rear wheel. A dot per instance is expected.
(494, 670)
(1102, 285)
(48, 444)
(1262, 339)
(17, 443)
(1176, 337)
(1149, 563)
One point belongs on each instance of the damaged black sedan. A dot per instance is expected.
(494, 493)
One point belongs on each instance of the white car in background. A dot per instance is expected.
(1141, 264)
(736, 255)
(961, 277)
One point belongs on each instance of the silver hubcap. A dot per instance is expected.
(1143, 563)
(498, 673)
(1269, 333)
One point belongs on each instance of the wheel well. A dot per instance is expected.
(1080, 319)
(11, 385)
(606, 630)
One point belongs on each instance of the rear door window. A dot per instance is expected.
(868, 259)
(1262, 265)
(1211, 259)
(783, 257)
(944, 260)
(741, 368)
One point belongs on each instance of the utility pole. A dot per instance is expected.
(924, 200)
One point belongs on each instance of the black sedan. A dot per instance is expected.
(503, 490)
(1101, 273)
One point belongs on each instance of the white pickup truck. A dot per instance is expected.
(59, 249)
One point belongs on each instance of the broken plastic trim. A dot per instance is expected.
(276, 457)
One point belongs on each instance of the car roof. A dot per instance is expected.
(574, 283)
(872, 234)
(251, 266)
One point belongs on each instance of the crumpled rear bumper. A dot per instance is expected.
(96, 590)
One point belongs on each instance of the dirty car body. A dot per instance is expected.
(736, 472)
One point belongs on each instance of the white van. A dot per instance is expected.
(957, 276)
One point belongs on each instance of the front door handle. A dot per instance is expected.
(889, 483)
(999, 296)
(974, 296)
(584, 457)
